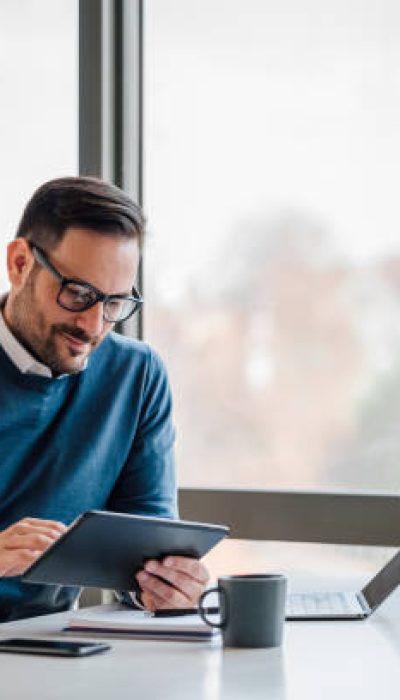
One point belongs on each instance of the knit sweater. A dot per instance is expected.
(101, 439)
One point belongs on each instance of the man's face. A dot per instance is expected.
(62, 339)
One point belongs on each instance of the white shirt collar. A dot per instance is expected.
(19, 355)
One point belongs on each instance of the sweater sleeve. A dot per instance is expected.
(147, 483)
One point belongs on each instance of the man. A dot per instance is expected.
(85, 414)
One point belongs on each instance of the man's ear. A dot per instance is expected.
(20, 261)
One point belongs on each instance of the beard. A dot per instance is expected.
(42, 339)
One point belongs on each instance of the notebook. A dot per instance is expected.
(122, 622)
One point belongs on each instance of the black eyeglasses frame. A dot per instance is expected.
(42, 259)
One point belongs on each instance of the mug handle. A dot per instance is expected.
(203, 613)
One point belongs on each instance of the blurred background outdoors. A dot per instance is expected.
(273, 264)
(272, 268)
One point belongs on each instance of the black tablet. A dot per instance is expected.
(105, 550)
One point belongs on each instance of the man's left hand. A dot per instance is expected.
(184, 581)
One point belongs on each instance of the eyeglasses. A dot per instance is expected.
(76, 296)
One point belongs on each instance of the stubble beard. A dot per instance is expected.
(29, 326)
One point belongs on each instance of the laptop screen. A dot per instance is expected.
(385, 581)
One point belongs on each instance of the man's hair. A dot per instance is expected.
(83, 202)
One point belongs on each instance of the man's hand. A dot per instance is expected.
(22, 543)
(187, 579)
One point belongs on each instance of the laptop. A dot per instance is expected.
(346, 606)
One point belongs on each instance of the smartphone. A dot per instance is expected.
(52, 647)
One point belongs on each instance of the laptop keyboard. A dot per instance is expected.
(299, 604)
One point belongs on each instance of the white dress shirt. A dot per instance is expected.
(21, 358)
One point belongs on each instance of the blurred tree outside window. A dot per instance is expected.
(272, 267)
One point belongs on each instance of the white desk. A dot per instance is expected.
(321, 661)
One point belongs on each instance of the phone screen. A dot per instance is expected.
(52, 647)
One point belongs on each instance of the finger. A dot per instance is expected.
(55, 525)
(16, 562)
(155, 603)
(31, 541)
(149, 601)
(168, 594)
(42, 521)
(25, 529)
(184, 583)
(193, 567)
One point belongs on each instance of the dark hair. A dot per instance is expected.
(83, 202)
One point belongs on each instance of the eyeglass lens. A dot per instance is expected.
(76, 297)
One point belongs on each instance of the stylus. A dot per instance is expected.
(184, 611)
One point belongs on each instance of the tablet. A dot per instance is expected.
(105, 550)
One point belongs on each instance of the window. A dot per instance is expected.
(272, 268)
(38, 116)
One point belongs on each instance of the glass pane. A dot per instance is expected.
(273, 262)
(38, 116)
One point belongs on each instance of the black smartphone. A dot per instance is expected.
(52, 647)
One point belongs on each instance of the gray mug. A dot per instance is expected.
(252, 609)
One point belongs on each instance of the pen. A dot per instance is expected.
(184, 611)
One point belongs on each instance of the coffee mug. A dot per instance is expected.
(252, 609)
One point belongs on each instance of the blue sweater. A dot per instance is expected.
(99, 439)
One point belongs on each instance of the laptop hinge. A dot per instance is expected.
(363, 602)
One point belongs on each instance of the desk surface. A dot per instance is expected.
(321, 660)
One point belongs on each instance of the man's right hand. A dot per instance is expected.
(23, 542)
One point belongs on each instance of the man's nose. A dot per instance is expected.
(91, 321)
